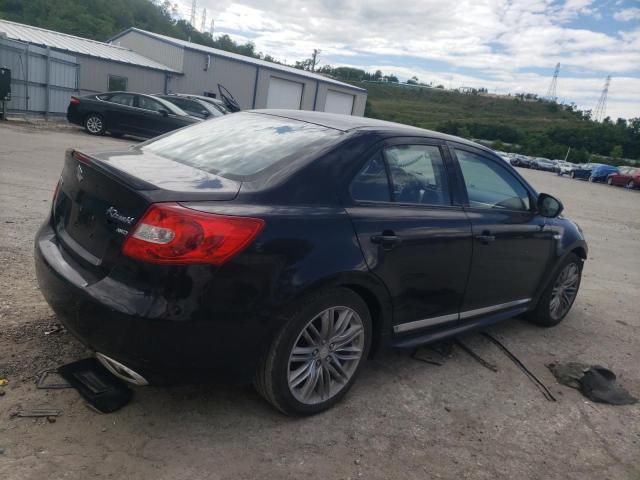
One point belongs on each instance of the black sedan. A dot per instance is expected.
(195, 106)
(288, 246)
(127, 113)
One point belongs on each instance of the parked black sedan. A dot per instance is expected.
(195, 106)
(127, 113)
(283, 247)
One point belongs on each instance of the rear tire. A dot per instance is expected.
(609, 181)
(328, 364)
(572, 175)
(631, 185)
(557, 299)
(94, 124)
(592, 179)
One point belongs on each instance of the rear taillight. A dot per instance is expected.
(172, 234)
(81, 157)
(74, 101)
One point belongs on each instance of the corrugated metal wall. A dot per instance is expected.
(94, 76)
(165, 53)
(41, 80)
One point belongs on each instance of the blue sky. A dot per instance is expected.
(507, 46)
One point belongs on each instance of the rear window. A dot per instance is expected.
(242, 144)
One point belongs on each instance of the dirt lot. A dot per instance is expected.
(403, 419)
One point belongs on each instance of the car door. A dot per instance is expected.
(622, 177)
(512, 245)
(154, 117)
(412, 234)
(121, 113)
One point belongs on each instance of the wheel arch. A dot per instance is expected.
(372, 291)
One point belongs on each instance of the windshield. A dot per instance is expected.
(242, 144)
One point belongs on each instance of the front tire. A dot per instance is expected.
(609, 181)
(631, 185)
(94, 124)
(557, 299)
(572, 174)
(316, 357)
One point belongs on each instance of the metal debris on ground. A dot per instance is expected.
(437, 354)
(476, 357)
(541, 386)
(597, 383)
(38, 412)
(43, 380)
(55, 329)
(433, 354)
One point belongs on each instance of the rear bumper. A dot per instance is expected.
(137, 329)
(73, 116)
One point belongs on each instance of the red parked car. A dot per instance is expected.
(625, 176)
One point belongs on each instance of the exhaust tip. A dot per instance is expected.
(121, 371)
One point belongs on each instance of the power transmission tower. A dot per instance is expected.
(551, 92)
(203, 25)
(211, 27)
(314, 59)
(193, 13)
(601, 108)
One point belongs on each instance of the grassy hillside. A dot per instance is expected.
(538, 128)
(430, 107)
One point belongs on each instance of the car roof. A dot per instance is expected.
(347, 123)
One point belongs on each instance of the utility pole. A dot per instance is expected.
(193, 13)
(601, 108)
(314, 59)
(203, 25)
(551, 92)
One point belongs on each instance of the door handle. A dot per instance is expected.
(387, 239)
(485, 238)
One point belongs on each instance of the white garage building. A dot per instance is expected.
(254, 83)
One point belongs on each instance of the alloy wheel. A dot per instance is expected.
(631, 184)
(94, 124)
(609, 181)
(326, 355)
(564, 291)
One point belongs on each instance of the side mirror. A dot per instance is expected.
(163, 112)
(549, 206)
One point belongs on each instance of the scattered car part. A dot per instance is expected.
(476, 357)
(38, 412)
(597, 383)
(541, 386)
(43, 384)
(96, 384)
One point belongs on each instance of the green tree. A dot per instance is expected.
(617, 152)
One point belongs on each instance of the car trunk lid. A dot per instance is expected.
(101, 196)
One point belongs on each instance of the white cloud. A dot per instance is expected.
(496, 40)
(627, 14)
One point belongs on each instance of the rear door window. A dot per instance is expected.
(147, 103)
(125, 99)
(418, 175)
(371, 184)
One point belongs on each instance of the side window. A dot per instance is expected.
(122, 99)
(418, 175)
(149, 104)
(371, 183)
(490, 185)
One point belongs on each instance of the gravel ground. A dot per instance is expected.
(403, 419)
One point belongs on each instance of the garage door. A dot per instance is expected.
(284, 94)
(338, 102)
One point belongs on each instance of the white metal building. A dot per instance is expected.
(48, 67)
(254, 83)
